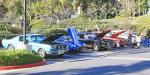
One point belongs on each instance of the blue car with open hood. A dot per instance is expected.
(71, 40)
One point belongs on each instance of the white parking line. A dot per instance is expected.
(129, 58)
(9, 71)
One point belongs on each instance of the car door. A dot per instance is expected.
(20, 42)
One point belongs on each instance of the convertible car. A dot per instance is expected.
(38, 43)
(91, 41)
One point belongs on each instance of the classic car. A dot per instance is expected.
(91, 41)
(71, 40)
(115, 39)
(17, 42)
(37, 43)
(48, 47)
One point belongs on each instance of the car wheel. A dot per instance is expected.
(96, 47)
(42, 53)
(11, 47)
(109, 47)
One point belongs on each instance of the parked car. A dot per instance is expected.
(38, 43)
(48, 46)
(112, 37)
(72, 47)
(91, 41)
(71, 40)
(17, 42)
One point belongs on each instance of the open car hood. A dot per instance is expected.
(101, 34)
(52, 37)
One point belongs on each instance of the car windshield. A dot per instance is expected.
(66, 39)
(87, 36)
(37, 38)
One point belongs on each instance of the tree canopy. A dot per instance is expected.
(63, 9)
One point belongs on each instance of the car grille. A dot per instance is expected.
(60, 46)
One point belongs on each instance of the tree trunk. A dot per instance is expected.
(105, 15)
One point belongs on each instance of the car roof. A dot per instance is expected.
(30, 34)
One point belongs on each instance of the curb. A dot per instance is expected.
(23, 66)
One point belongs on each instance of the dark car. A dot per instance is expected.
(91, 41)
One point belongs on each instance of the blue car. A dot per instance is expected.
(71, 40)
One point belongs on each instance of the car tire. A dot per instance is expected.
(96, 47)
(109, 47)
(11, 47)
(42, 53)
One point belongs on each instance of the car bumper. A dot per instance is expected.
(55, 53)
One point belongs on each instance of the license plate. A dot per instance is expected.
(61, 51)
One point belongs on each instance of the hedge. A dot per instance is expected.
(140, 23)
(17, 57)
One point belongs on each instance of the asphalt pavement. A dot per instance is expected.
(117, 62)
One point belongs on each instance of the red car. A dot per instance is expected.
(117, 37)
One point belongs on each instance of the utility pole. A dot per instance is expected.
(24, 26)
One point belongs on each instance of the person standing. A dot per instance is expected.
(147, 38)
(133, 41)
(138, 40)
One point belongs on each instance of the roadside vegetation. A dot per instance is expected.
(17, 57)
(51, 16)
(140, 23)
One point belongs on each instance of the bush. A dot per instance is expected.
(17, 57)
(54, 31)
(15, 30)
(2, 27)
(82, 24)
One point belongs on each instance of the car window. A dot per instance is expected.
(21, 38)
(81, 36)
(37, 37)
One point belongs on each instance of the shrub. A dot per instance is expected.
(2, 27)
(15, 30)
(53, 31)
(82, 24)
(17, 57)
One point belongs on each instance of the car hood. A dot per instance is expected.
(52, 37)
(101, 34)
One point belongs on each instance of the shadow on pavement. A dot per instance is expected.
(101, 70)
(129, 51)
(89, 55)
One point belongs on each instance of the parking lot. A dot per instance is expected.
(117, 62)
